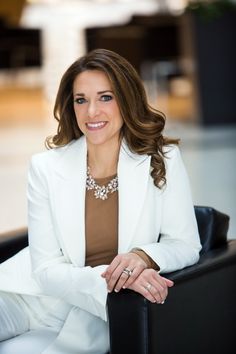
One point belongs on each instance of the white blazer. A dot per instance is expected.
(56, 196)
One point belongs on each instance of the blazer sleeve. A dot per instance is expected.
(55, 274)
(179, 243)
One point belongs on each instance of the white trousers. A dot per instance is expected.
(31, 342)
(22, 332)
(13, 320)
(17, 335)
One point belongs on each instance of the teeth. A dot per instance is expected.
(95, 125)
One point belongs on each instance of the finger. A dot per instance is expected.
(141, 289)
(157, 285)
(115, 276)
(149, 295)
(111, 268)
(157, 291)
(136, 267)
(118, 260)
(162, 288)
(131, 272)
(121, 281)
(124, 277)
(133, 276)
(169, 282)
(164, 282)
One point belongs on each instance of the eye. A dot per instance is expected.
(80, 100)
(106, 98)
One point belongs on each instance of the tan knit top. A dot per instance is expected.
(101, 228)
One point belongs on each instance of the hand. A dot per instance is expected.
(152, 286)
(123, 270)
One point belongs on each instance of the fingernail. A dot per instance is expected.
(116, 290)
(123, 287)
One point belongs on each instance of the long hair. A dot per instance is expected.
(143, 125)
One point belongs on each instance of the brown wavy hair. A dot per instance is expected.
(143, 125)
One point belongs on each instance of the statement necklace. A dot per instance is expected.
(101, 192)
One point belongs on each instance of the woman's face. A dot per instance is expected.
(96, 109)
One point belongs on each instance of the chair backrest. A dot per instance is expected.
(12, 242)
(212, 226)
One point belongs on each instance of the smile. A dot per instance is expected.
(96, 125)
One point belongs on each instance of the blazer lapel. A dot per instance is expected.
(69, 194)
(133, 174)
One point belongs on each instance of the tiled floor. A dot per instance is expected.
(209, 156)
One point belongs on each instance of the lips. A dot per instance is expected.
(95, 125)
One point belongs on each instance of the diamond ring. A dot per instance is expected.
(148, 287)
(127, 272)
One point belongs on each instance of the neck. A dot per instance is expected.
(103, 159)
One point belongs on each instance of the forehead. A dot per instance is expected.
(92, 80)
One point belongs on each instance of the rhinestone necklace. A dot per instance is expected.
(101, 192)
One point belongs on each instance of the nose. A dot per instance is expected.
(92, 109)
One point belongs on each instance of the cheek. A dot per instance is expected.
(78, 116)
(79, 113)
(75, 110)
(120, 121)
(115, 112)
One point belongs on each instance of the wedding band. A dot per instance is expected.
(127, 272)
(148, 287)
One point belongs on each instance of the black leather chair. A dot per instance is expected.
(199, 315)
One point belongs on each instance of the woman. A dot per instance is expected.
(109, 205)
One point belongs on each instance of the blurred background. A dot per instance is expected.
(184, 51)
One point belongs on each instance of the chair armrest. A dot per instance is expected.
(210, 261)
(203, 297)
(12, 242)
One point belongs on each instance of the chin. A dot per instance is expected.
(103, 139)
(97, 141)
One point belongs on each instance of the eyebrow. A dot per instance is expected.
(99, 93)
